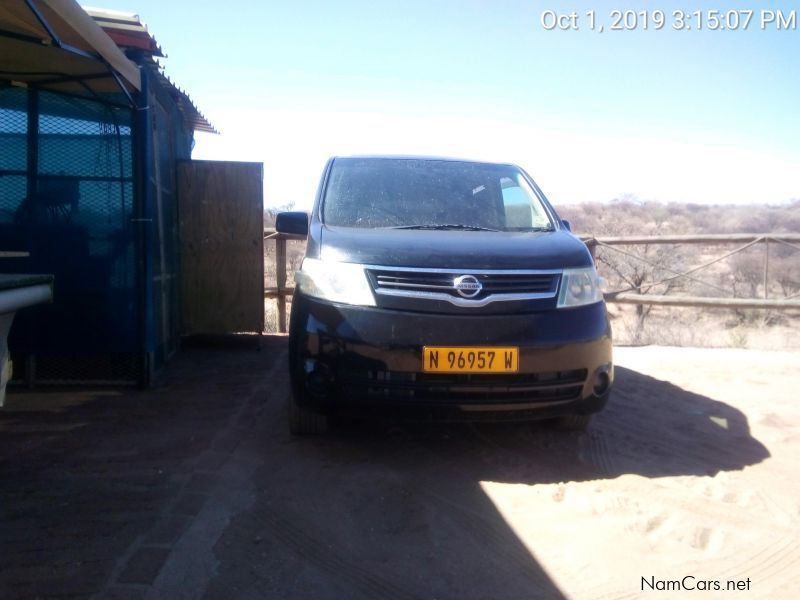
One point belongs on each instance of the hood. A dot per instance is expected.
(454, 249)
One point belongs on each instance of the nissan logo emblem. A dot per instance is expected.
(467, 286)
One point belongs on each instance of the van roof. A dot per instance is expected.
(422, 157)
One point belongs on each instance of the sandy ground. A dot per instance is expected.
(196, 489)
(690, 472)
(698, 454)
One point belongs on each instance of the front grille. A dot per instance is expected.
(436, 388)
(416, 282)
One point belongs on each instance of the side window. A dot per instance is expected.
(520, 211)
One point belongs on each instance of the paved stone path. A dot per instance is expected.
(99, 489)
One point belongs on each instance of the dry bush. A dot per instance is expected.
(741, 275)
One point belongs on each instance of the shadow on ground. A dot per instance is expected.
(104, 496)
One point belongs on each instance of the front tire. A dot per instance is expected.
(304, 421)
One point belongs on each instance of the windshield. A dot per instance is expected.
(431, 194)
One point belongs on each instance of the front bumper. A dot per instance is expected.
(369, 359)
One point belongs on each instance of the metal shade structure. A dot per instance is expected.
(57, 46)
(129, 33)
(91, 132)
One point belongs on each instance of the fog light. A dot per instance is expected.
(601, 383)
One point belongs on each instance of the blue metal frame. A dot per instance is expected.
(145, 223)
(140, 346)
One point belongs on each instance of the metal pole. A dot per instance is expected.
(766, 267)
(143, 226)
(280, 275)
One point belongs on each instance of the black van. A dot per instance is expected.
(446, 288)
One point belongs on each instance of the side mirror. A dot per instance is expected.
(295, 223)
(566, 224)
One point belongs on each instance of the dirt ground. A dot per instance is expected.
(196, 489)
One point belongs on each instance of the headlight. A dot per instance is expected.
(579, 287)
(335, 281)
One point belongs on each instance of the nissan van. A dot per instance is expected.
(442, 288)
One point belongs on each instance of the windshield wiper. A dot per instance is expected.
(445, 226)
(531, 229)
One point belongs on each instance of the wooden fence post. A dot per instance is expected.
(766, 267)
(280, 275)
(592, 245)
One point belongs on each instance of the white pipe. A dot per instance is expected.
(14, 299)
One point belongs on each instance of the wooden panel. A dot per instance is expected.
(222, 246)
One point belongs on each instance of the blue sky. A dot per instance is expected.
(700, 116)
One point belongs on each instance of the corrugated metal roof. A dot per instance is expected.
(190, 113)
(130, 33)
(126, 29)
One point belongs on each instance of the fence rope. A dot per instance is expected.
(676, 274)
(785, 243)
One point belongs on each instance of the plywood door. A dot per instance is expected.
(221, 220)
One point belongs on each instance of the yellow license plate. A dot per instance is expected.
(469, 359)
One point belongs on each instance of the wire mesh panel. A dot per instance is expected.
(68, 200)
(97, 369)
(13, 157)
(89, 189)
(171, 140)
(166, 235)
